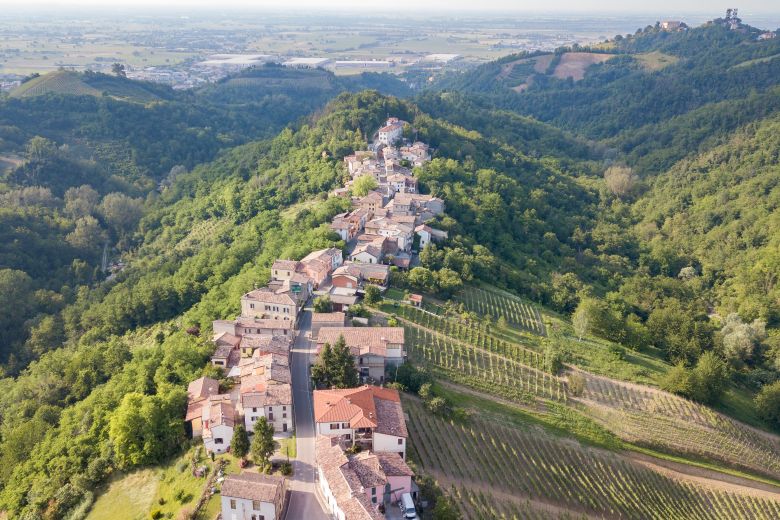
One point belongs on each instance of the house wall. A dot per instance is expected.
(197, 427)
(244, 511)
(389, 443)
(366, 258)
(224, 326)
(282, 274)
(324, 429)
(252, 415)
(330, 500)
(345, 281)
(219, 432)
(399, 486)
(256, 309)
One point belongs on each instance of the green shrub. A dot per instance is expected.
(156, 514)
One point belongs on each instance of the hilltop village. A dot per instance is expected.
(358, 436)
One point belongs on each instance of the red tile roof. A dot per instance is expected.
(362, 407)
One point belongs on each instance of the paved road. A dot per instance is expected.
(303, 503)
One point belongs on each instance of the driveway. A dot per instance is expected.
(303, 502)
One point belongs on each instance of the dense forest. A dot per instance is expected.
(642, 204)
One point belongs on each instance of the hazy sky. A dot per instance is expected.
(442, 6)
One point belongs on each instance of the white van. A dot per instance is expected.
(407, 506)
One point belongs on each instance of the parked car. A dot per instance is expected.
(407, 506)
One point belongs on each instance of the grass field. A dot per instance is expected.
(134, 495)
(656, 60)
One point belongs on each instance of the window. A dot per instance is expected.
(284, 416)
(270, 408)
(254, 419)
(254, 410)
(334, 426)
(218, 440)
(345, 425)
(251, 305)
(284, 408)
(256, 505)
(232, 504)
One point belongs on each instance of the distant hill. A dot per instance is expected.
(90, 84)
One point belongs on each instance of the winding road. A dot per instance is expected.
(303, 501)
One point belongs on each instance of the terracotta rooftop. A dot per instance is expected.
(227, 339)
(343, 482)
(285, 265)
(268, 296)
(328, 317)
(260, 323)
(362, 407)
(254, 486)
(363, 340)
(202, 388)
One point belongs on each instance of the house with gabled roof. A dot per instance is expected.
(219, 418)
(368, 415)
(374, 348)
(198, 393)
(252, 496)
(266, 391)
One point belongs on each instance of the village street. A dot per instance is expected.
(303, 502)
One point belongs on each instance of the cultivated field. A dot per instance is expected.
(481, 369)
(575, 64)
(529, 465)
(496, 303)
(649, 416)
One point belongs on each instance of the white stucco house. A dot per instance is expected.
(252, 496)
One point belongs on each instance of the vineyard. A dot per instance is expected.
(483, 505)
(471, 334)
(60, 82)
(496, 303)
(480, 369)
(527, 465)
(656, 418)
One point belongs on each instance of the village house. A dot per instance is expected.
(400, 183)
(198, 392)
(342, 298)
(318, 265)
(428, 234)
(326, 319)
(355, 275)
(402, 234)
(266, 391)
(417, 154)
(219, 418)
(252, 496)
(264, 344)
(373, 202)
(268, 304)
(368, 415)
(391, 132)
(371, 249)
(354, 486)
(251, 325)
(374, 348)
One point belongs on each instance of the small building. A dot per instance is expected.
(219, 418)
(252, 496)
(391, 132)
(198, 393)
(326, 319)
(374, 348)
(270, 304)
(415, 300)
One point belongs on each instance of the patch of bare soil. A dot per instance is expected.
(574, 64)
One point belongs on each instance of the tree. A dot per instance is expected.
(580, 320)
(678, 380)
(146, 428)
(263, 444)
(445, 509)
(121, 212)
(364, 185)
(422, 278)
(564, 294)
(768, 403)
(437, 405)
(335, 367)
(447, 281)
(87, 235)
(620, 180)
(81, 201)
(741, 339)
(240, 443)
(322, 304)
(372, 295)
(118, 69)
(708, 378)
